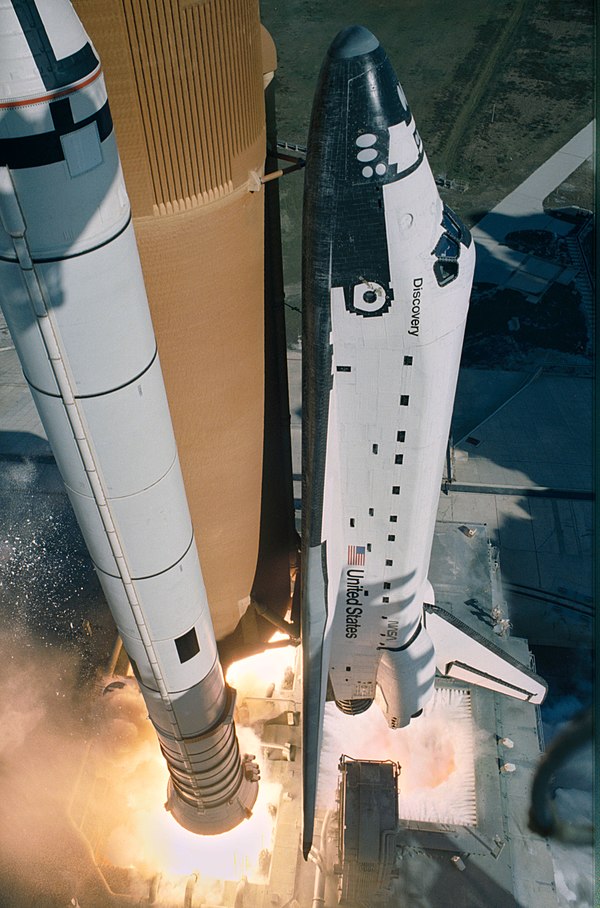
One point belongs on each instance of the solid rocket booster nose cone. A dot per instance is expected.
(354, 41)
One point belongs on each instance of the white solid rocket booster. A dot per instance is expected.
(74, 300)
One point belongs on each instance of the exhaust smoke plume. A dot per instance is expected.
(435, 752)
(46, 731)
(82, 781)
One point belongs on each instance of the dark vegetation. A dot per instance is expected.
(554, 322)
(495, 91)
(542, 243)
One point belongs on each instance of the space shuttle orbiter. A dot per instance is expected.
(388, 269)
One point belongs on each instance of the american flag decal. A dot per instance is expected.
(356, 555)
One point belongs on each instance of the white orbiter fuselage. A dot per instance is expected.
(387, 276)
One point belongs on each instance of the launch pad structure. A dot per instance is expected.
(484, 855)
(504, 864)
(491, 858)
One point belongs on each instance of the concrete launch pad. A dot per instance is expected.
(503, 863)
(486, 855)
(479, 850)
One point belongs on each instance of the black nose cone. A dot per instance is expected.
(354, 41)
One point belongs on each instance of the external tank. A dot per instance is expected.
(187, 97)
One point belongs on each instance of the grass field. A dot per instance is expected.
(496, 87)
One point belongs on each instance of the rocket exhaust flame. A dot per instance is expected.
(142, 834)
(82, 787)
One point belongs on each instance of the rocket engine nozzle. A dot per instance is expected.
(220, 787)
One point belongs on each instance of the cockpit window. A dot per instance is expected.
(447, 248)
(445, 272)
(450, 225)
(455, 227)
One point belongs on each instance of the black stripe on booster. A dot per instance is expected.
(54, 73)
(130, 381)
(46, 148)
(71, 255)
